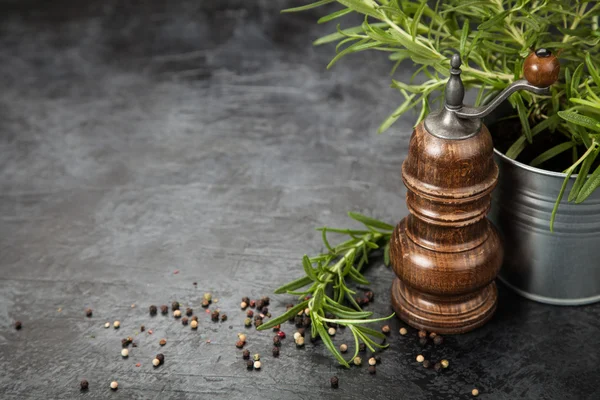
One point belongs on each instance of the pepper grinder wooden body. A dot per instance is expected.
(445, 253)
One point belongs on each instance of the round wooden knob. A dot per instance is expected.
(541, 68)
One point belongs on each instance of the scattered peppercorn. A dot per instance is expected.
(142, 328)
(184, 321)
(299, 342)
(426, 363)
(246, 354)
(369, 295)
(432, 335)
(164, 309)
(403, 331)
(223, 317)
(422, 334)
(277, 341)
(107, 325)
(195, 318)
(385, 329)
(246, 300)
(259, 304)
(114, 385)
(125, 353)
(275, 351)
(205, 303)
(265, 310)
(475, 392)
(297, 335)
(298, 320)
(257, 365)
(175, 306)
(258, 322)
(281, 334)
(250, 364)
(239, 344)
(357, 360)
(194, 324)
(250, 313)
(256, 357)
(125, 342)
(134, 344)
(215, 316)
(116, 324)
(177, 314)
(362, 347)
(438, 340)
(266, 300)
(334, 382)
(372, 369)
(343, 347)
(377, 358)
(160, 357)
(18, 325)
(372, 361)
(331, 331)
(162, 342)
(156, 362)
(84, 385)
(189, 312)
(88, 312)
(423, 341)
(243, 305)
(252, 303)
(248, 322)
(437, 367)
(420, 358)
(445, 363)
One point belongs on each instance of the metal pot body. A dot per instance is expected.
(560, 267)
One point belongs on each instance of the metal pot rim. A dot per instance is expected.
(535, 170)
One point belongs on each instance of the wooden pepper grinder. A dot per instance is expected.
(445, 253)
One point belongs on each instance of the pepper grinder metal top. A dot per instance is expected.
(457, 121)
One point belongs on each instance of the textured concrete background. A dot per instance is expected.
(140, 138)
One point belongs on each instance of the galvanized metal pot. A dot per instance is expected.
(561, 268)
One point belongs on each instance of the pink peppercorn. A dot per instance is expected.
(281, 334)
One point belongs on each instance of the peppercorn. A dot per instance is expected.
(184, 321)
(162, 342)
(114, 385)
(420, 358)
(252, 303)
(266, 300)
(205, 303)
(246, 300)
(107, 325)
(257, 365)
(258, 322)
(362, 347)
(334, 382)
(432, 335)
(276, 341)
(302, 331)
(250, 364)
(306, 322)
(438, 340)
(116, 324)
(84, 385)
(331, 331)
(160, 357)
(195, 318)
(385, 329)
(437, 367)
(250, 313)
(299, 342)
(260, 304)
(475, 392)
(239, 344)
(248, 322)
(189, 312)
(426, 363)
(372, 361)
(276, 328)
(256, 357)
(125, 342)
(125, 353)
(208, 297)
(372, 369)
(369, 295)
(403, 331)
(275, 351)
(177, 314)
(423, 341)
(18, 325)
(377, 358)
(422, 334)
(242, 337)
(194, 324)
(281, 334)
(164, 309)
(175, 306)
(445, 363)
(307, 311)
(223, 317)
(343, 347)
(298, 320)
(133, 344)
(215, 316)
(156, 362)
(142, 328)
(246, 354)
(357, 360)
(297, 335)
(88, 312)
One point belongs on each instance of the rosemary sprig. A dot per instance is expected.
(328, 275)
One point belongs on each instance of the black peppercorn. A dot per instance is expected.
(205, 303)
(175, 306)
(142, 328)
(277, 340)
(160, 357)
(276, 328)
(246, 300)
(260, 305)
(306, 322)
(152, 310)
(250, 364)
(275, 351)
(223, 317)
(88, 312)
(437, 367)
(438, 340)
(215, 316)
(133, 344)
(362, 347)
(423, 341)
(189, 312)
(369, 295)
(335, 382)
(359, 301)
(266, 300)
(164, 309)
(265, 310)
(258, 322)
(18, 325)
(377, 358)
(252, 303)
(426, 363)
(422, 334)
(301, 331)
(372, 369)
(298, 320)
(84, 385)
(124, 342)
(184, 321)
(195, 318)
(246, 354)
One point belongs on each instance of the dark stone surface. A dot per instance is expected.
(140, 138)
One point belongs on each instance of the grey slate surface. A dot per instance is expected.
(141, 138)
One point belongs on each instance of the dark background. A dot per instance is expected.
(141, 138)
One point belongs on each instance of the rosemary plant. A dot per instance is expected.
(493, 37)
(327, 277)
